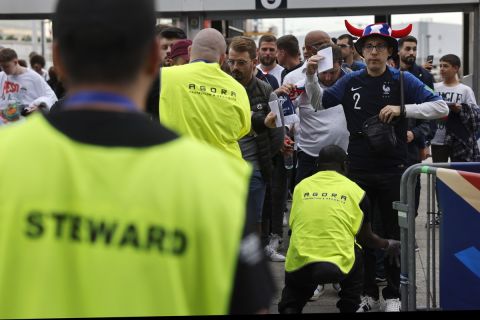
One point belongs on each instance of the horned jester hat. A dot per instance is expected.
(382, 30)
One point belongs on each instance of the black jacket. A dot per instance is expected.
(269, 141)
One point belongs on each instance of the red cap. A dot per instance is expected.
(180, 49)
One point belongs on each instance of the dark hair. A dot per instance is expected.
(289, 43)
(332, 157)
(347, 36)
(104, 40)
(228, 41)
(159, 28)
(37, 59)
(336, 51)
(173, 33)
(7, 55)
(244, 44)
(267, 38)
(52, 74)
(22, 63)
(406, 39)
(452, 59)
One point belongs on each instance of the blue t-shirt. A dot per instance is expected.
(355, 66)
(268, 78)
(362, 97)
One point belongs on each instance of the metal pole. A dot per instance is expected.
(429, 215)
(412, 294)
(406, 220)
(434, 280)
(34, 36)
(476, 50)
(42, 36)
(402, 207)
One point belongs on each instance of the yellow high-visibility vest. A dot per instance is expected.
(202, 101)
(325, 219)
(94, 231)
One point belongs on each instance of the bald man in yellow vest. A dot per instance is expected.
(201, 101)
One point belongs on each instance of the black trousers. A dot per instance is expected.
(306, 166)
(382, 190)
(275, 198)
(300, 285)
(440, 153)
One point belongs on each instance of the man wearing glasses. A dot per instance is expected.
(345, 42)
(375, 91)
(264, 140)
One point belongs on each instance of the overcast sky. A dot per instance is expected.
(300, 26)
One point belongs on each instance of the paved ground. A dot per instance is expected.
(326, 303)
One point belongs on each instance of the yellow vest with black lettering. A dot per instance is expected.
(92, 231)
(202, 101)
(325, 219)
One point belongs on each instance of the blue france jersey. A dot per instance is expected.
(362, 97)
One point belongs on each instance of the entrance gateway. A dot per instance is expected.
(201, 10)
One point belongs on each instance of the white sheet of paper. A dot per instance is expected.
(276, 109)
(327, 62)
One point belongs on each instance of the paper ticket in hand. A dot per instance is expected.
(274, 107)
(327, 62)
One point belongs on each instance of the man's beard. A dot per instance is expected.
(267, 61)
(237, 75)
(409, 60)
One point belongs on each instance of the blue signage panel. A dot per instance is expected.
(459, 247)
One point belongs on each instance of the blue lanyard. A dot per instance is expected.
(94, 97)
(200, 60)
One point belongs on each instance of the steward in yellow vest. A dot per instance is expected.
(201, 101)
(104, 213)
(327, 218)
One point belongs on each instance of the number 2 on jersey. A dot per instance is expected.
(356, 97)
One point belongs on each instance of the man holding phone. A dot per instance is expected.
(428, 65)
(407, 51)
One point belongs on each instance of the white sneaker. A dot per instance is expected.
(273, 255)
(317, 293)
(285, 219)
(392, 305)
(275, 241)
(369, 304)
(337, 287)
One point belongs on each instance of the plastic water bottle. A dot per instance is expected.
(288, 160)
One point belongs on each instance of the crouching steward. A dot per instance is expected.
(104, 213)
(329, 214)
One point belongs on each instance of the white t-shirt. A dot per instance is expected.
(27, 88)
(318, 129)
(456, 94)
(276, 72)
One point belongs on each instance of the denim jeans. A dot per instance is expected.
(257, 195)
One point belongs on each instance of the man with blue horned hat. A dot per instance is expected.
(377, 165)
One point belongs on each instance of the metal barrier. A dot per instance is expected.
(406, 219)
